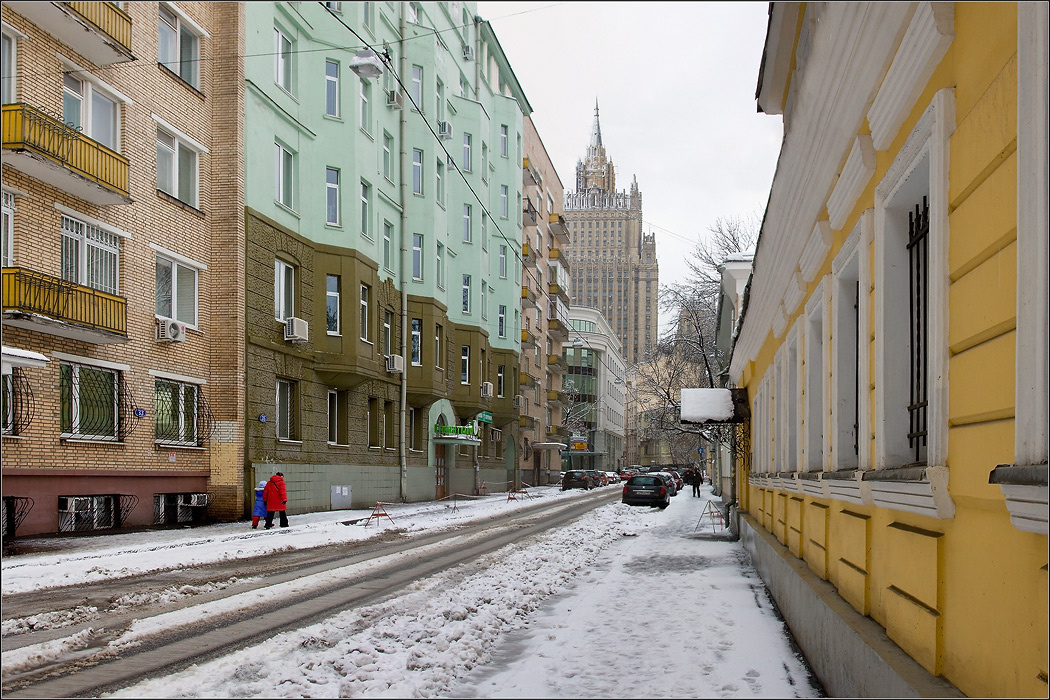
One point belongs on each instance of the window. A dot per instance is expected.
(503, 262)
(388, 235)
(504, 145)
(413, 427)
(388, 156)
(284, 161)
(176, 168)
(484, 162)
(332, 315)
(502, 322)
(283, 290)
(503, 203)
(366, 293)
(439, 176)
(366, 211)
(439, 104)
(175, 411)
(89, 401)
(336, 6)
(82, 513)
(413, 13)
(388, 337)
(365, 112)
(389, 432)
(484, 300)
(417, 87)
(7, 82)
(500, 371)
(331, 177)
(439, 341)
(466, 153)
(87, 108)
(90, 255)
(337, 418)
(466, 294)
(417, 341)
(417, 256)
(331, 88)
(846, 358)
(814, 378)
(462, 87)
(484, 231)
(368, 15)
(466, 223)
(439, 265)
(178, 46)
(282, 59)
(176, 288)
(417, 171)
(373, 422)
(464, 364)
(7, 228)
(287, 427)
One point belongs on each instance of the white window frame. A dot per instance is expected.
(439, 335)
(388, 333)
(89, 243)
(504, 140)
(417, 171)
(176, 266)
(417, 87)
(187, 68)
(7, 229)
(388, 156)
(284, 175)
(504, 201)
(10, 82)
(417, 257)
(816, 341)
(416, 345)
(439, 265)
(467, 223)
(283, 63)
(365, 195)
(467, 155)
(184, 396)
(333, 297)
(388, 251)
(283, 290)
(439, 178)
(114, 370)
(467, 281)
(503, 262)
(332, 209)
(86, 118)
(501, 323)
(365, 325)
(331, 89)
(365, 106)
(184, 146)
(500, 374)
(464, 364)
(285, 423)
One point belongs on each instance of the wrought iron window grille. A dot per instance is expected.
(18, 406)
(918, 310)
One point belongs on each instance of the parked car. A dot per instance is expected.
(626, 474)
(612, 477)
(672, 485)
(598, 477)
(646, 490)
(679, 482)
(577, 479)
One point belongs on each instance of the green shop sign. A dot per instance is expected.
(472, 429)
(485, 417)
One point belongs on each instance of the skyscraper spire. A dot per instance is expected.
(596, 130)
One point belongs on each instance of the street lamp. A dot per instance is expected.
(366, 64)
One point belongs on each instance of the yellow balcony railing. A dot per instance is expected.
(26, 128)
(36, 293)
(107, 18)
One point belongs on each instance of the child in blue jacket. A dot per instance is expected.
(259, 511)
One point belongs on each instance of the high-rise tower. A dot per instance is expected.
(613, 260)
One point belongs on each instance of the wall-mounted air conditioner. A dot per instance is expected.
(395, 363)
(296, 330)
(519, 401)
(486, 390)
(445, 130)
(394, 99)
(468, 53)
(170, 331)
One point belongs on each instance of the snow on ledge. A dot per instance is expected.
(706, 405)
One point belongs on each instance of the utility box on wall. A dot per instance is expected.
(341, 497)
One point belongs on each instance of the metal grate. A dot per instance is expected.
(182, 415)
(96, 403)
(18, 406)
(95, 512)
(16, 508)
(918, 309)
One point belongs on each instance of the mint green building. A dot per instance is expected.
(383, 235)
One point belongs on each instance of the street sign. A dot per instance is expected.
(485, 417)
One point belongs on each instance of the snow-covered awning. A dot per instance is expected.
(713, 406)
(17, 357)
(549, 445)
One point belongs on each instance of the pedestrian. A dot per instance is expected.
(259, 511)
(698, 478)
(276, 497)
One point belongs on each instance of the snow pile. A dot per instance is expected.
(49, 620)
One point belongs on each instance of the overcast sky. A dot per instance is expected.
(675, 84)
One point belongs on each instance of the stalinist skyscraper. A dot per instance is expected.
(614, 266)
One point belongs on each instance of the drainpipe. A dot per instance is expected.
(402, 446)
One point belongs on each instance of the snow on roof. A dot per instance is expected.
(706, 405)
(26, 354)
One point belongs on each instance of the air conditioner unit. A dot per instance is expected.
(170, 331)
(486, 390)
(395, 363)
(519, 401)
(296, 330)
(394, 99)
(468, 53)
(445, 130)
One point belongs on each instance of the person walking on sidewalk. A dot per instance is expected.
(698, 478)
(275, 496)
(259, 511)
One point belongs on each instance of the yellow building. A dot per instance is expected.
(893, 344)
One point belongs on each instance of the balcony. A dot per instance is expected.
(528, 297)
(557, 431)
(526, 380)
(529, 215)
(98, 31)
(555, 362)
(528, 255)
(529, 174)
(557, 330)
(557, 397)
(559, 228)
(528, 338)
(556, 290)
(557, 256)
(527, 422)
(41, 146)
(46, 304)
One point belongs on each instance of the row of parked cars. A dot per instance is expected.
(652, 488)
(587, 479)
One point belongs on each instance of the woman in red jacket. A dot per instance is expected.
(276, 498)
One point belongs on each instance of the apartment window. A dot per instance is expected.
(439, 176)
(177, 168)
(287, 409)
(389, 433)
(365, 101)
(331, 88)
(368, 12)
(178, 46)
(484, 301)
(282, 59)
(366, 211)
(484, 162)
(417, 87)
(462, 87)
(466, 153)
(9, 61)
(466, 223)
(504, 142)
(90, 255)
(417, 341)
(503, 262)
(89, 402)
(439, 341)
(814, 378)
(500, 371)
(413, 427)
(388, 337)
(176, 291)
(338, 420)
(87, 108)
(332, 315)
(417, 171)
(373, 422)
(504, 204)
(846, 357)
(466, 294)
(335, 6)
(7, 228)
(284, 162)
(366, 293)
(175, 409)
(388, 156)
(82, 513)
(484, 231)
(502, 322)
(388, 236)
(417, 256)
(464, 364)
(283, 290)
(413, 13)
(439, 106)
(439, 265)
(331, 177)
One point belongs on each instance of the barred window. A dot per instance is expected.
(181, 415)
(93, 404)
(90, 255)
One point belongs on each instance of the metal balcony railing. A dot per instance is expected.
(27, 128)
(107, 18)
(36, 293)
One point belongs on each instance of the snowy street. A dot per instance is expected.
(625, 602)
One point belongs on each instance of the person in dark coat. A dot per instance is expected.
(698, 479)
(259, 511)
(276, 498)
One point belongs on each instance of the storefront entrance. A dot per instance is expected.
(440, 472)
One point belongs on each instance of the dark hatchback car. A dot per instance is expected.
(577, 479)
(646, 490)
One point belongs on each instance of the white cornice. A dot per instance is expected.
(796, 289)
(779, 321)
(924, 43)
(816, 250)
(856, 173)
